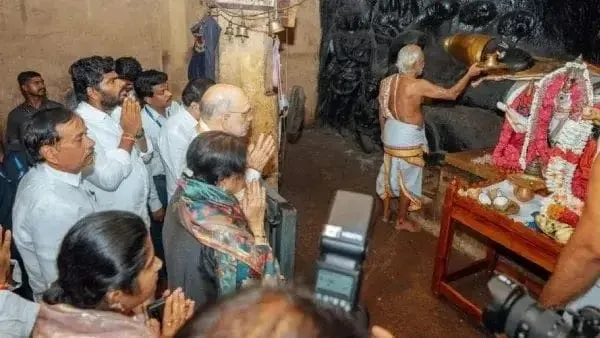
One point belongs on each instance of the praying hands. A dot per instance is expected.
(260, 152)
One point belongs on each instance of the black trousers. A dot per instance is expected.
(160, 181)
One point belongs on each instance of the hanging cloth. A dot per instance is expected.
(204, 59)
(276, 72)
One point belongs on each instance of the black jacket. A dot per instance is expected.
(190, 265)
(12, 169)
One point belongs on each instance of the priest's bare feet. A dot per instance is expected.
(406, 225)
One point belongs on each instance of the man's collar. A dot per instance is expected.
(155, 114)
(202, 126)
(188, 118)
(27, 103)
(69, 178)
(87, 111)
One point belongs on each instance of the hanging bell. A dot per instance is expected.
(242, 32)
(275, 27)
(229, 30)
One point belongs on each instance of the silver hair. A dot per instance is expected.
(209, 109)
(407, 58)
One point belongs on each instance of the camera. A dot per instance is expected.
(514, 312)
(343, 250)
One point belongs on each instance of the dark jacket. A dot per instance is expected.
(190, 265)
(18, 116)
(12, 169)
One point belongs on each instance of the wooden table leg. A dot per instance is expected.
(444, 246)
(492, 257)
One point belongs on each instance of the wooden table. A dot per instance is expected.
(498, 232)
(464, 161)
(460, 165)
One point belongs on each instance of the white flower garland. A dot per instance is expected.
(574, 136)
(539, 97)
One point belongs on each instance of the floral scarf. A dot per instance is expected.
(214, 217)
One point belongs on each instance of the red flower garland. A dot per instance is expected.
(510, 144)
(582, 173)
(539, 144)
(569, 217)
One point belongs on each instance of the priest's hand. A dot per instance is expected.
(260, 152)
(474, 70)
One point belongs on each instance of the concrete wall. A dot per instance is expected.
(300, 58)
(49, 35)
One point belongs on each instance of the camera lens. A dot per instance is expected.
(515, 313)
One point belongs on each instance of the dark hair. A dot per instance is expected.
(215, 155)
(128, 68)
(88, 72)
(103, 251)
(146, 80)
(40, 130)
(271, 313)
(24, 77)
(194, 90)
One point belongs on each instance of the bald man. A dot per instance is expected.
(225, 108)
(403, 134)
(219, 107)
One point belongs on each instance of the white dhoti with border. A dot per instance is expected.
(402, 168)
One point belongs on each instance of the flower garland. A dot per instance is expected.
(508, 149)
(568, 161)
(582, 174)
(574, 136)
(542, 109)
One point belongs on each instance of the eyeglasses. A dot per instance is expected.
(244, 114)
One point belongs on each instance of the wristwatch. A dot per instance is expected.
(140, 134)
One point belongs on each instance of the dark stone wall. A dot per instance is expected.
(362, 37)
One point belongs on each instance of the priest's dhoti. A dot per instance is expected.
(402, 168)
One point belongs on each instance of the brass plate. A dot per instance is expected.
(527, 181)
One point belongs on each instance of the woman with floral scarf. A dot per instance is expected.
(214, 245)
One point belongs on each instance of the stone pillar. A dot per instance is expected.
(244, 64)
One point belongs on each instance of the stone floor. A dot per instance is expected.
(397, 275)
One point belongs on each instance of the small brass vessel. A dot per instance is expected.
(523, 194)
(525, 186)
(467, 48)
(491, 62)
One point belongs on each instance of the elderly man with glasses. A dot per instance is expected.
(211, 107)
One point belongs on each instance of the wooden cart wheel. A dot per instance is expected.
(294, 122)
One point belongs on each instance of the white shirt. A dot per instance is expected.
(175, 139)
(48, 203)
(119, 180)
(152, 122)
(17, 315)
